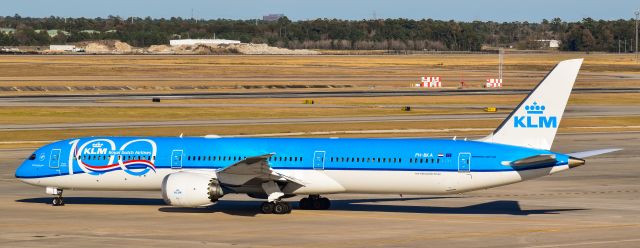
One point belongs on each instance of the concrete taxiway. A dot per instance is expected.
(594, 205)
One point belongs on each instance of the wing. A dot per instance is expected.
(592, 153)
(255, 169)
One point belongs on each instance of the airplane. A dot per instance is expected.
(199, 171)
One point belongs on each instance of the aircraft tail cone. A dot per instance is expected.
(575, 162)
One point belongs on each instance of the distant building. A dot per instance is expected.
(52, 32)
(8, 30)
(272, 17)
(90, 31)
(202, 41)
(550, 43)
(64, 48)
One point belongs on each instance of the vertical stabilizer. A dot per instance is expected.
(535, 121)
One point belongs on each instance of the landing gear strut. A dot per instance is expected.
(275, 208)
(315, 202)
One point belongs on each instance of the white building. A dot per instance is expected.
(202, 41)
(65, 48)
(552, 43)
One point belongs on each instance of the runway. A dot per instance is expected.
(293, 94)
(594, 205)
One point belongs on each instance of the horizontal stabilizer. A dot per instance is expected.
(533, 160)
(586, 154)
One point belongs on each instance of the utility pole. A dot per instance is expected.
(637, 17)
(500, 62)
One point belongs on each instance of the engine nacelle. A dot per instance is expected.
(190, 189)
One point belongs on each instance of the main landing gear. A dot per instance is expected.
(315, 202)
(57, 196)
(275, 208)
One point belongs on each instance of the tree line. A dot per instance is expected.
(378, 34)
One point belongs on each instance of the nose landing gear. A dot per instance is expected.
(58, 200)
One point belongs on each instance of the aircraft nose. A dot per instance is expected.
(24, 171)
(21, 171)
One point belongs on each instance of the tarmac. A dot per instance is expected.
(84, 97)
(594, 205)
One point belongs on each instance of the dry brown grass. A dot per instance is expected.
(44, 115)
(152, 73)
(568, 124)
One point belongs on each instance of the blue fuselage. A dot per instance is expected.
(142, 156)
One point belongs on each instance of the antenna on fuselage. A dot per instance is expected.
(465, 138)
(181, 135)
(454, 138)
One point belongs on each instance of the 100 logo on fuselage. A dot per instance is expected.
(98, 156)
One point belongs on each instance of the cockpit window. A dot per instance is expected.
(32, 157)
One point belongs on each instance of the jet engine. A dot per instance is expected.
(190, 189)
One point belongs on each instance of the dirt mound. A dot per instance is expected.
(96, 48)
(160, 49)
(122, 47)
(253, 49)
(106, 46)
(266, 49)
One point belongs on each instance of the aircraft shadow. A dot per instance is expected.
(504, 207)
(251, 208)
(99, 201)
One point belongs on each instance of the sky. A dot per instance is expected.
(459, 10)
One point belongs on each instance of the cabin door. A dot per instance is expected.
(464, 162)
(54, 159)
(318, 160)
(176, 159)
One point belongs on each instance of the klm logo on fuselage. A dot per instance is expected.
(535, 118)
(95, 149)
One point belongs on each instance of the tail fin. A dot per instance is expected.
(535, 121)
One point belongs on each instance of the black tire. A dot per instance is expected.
(57, 201)
(316, 204)
(305, 203)
(267, 207)
(281, 208)
(325, 203)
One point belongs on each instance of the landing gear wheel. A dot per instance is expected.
(267, 207)
(315, 202)
(58, 201)
(281, 208)
(324, 203)
(305, 203)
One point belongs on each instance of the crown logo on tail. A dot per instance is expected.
(534, 109)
